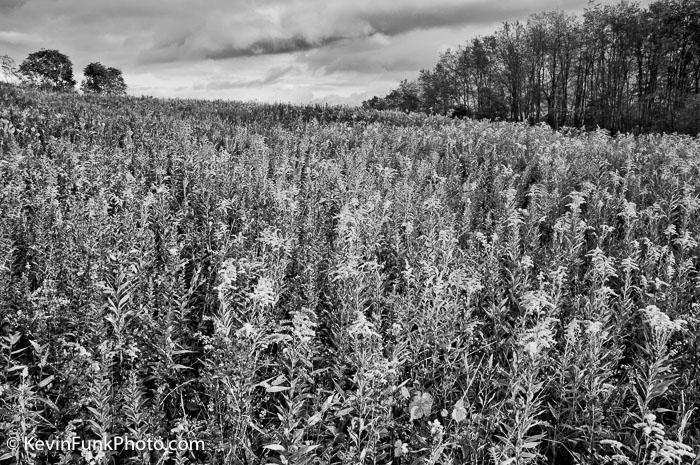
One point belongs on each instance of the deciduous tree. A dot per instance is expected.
(49, 70)
(621, 67)
(102, 80)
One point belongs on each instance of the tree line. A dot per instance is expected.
(52, 70)
(620, 67)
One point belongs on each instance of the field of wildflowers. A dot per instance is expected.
(320, 285)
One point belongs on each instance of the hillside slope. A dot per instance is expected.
(315, 285)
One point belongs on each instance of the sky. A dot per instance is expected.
(335, 51)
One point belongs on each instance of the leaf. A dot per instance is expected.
(124, 300)
(46, 381)
(660, 388)
(307, 449)
(177, 366)
(183, 351)
(420, 406)
(279, 380)
(275, 447)
(459, 413)
(328, 402)
(36, 346)
(277, 388)
(343, 412)
(315, 418)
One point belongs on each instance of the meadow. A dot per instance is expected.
(328, 285)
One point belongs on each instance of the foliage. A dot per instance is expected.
(102, 80)
(315, 285)
(48, 70)
(619, 67)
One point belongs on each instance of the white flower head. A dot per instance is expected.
(535, 302)
(660, 322)
(247, 331)
(264, 292)
(538, 338)
(228, 274)
(572, 331)
(436, 429)
(594, 327)
(361, 327)
(304, 327)
(272, 238)
(629, 210)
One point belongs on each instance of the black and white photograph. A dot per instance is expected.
(350, 232)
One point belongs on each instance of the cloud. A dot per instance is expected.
(392, 22)
(291, 26)
(16, 38)
(265, 49)
(271, 46)
(336, 99)
(273, 76)
(7, 6)
(375, 54)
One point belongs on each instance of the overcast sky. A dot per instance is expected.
(339, 51)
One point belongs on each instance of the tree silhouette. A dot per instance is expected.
(49, 70)
(102, 80)
(621, 67)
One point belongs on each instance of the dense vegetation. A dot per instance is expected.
(315, 285)
(620, 67)
(51, 70)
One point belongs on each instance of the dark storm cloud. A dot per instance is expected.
(393, 22)
(271, 46)
(411, 51)
(300, 26)
(8, 5)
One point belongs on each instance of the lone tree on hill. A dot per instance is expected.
(102, 80)
(49, 70)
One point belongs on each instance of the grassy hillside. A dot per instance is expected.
(314, 285)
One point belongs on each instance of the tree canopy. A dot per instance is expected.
(620, 67)
(49, 70)
(102, 80)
